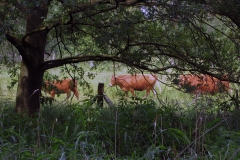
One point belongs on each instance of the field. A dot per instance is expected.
(171, 127)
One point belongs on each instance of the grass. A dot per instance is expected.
(168, 128)
(137, 129)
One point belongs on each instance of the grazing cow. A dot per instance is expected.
(203, 84)
(63, 86)
(138, 82)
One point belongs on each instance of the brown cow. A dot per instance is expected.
(63, 86)
(138, 82)
(203, 84)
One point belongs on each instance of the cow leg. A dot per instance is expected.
(132, 92)
(75, 91)
(147, 93)
(68, 94)
(52, 93)
(154, 92)
(76, 94)
(126, 94)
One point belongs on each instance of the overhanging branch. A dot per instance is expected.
(60, 62)
(18, 44)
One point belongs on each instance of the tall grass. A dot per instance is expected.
(134, 129)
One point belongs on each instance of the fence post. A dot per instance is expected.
(100, 94)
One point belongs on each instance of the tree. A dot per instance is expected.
(149, 39)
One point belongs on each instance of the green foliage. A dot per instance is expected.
(14, 74)
(134, 129)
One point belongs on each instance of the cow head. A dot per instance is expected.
(198, 80)
(113, 81)
(48, 86)
(184, 80)
(189, 82)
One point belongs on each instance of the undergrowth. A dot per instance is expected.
(135, 129)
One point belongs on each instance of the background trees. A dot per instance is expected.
(193, 36)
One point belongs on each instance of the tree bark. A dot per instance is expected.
(21, 90)
(31, 48)
(29, 89)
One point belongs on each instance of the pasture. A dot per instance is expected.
(89, 83)
(170, 127)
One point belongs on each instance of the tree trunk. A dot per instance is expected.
(29, 89)
(30, 80)
(31, 48)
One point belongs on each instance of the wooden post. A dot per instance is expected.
(100, 94)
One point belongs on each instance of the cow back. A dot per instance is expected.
(203, 84)
(137, 82)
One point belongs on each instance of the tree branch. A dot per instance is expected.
(60, 62)
(84, 7)
(18, 44)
